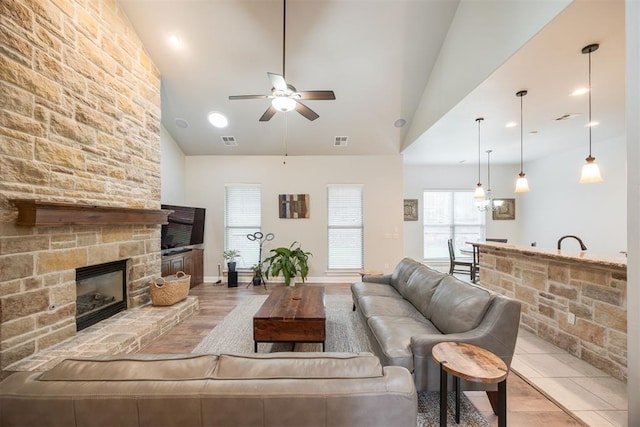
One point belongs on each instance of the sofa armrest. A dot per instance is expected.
(376, 278)
(497, 332)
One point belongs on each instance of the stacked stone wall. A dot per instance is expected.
(550, 289)
(79, 123)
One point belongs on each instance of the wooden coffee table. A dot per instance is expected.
(291, 315)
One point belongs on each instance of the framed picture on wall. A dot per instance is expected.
(505, 211)
(293, 206)
(410, 209)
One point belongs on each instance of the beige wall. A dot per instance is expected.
(381, 177)
(80, 122)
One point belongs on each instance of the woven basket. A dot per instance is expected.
(170, 289)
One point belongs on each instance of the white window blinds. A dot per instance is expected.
(345, 226)
(242, 216)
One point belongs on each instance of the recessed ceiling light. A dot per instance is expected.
(218, 119)
(182, 123)
(567, 116)
(533, 132)
(580, 91)
(511, 125)
(593, 124)
(400, 123)
(174, 41)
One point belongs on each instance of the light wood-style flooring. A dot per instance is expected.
(526, 406)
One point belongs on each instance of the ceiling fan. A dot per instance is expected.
(285, 97)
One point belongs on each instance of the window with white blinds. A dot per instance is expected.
(450, 215)
(242, 216)
(345, 226)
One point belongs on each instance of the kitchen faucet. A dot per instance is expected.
(582, 246)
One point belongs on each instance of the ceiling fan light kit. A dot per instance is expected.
(285, 97)
(590, 171)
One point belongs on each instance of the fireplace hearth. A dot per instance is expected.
(101, 292)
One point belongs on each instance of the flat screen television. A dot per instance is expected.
(185, 227)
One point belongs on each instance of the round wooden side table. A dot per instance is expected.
(471, 363)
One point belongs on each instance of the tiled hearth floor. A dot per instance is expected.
(586, 392)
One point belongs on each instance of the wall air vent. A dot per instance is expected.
(229, 141)
(340, 141)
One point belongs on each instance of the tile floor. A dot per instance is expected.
(586, 392)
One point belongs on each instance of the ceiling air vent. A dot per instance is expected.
(340, 141)
(229, 141)
(568, 116)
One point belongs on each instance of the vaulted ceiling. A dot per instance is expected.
(377, 56)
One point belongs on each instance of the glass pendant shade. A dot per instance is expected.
(590, 172)
(522, 185)
(283, 103)
(479, 193)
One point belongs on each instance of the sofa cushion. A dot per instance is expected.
(393, 335)
(402, 272)
(298, 365)
(457, 306)
(384, 306)
(360, 289)
(133, 369)
(421, 286)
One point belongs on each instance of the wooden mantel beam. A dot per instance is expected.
(39, 213)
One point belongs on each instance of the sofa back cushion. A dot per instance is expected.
(402, 272)
(298, 365)
(421, 286)
(133, 368)
(457, 306)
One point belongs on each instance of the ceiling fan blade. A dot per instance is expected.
(266, 116)
(317, 94)
(306, 111)
(278, 82)
(248, 96)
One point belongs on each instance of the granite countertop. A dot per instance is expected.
(560, 255)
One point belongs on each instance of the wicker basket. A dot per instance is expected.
(170, 289)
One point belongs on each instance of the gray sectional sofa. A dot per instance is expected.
(410, 311)
(279, 389)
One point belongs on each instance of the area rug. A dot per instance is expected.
(345, 333)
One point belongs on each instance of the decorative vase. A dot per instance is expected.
(231, 266)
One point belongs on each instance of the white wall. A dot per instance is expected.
(172, 176)
(557, 204)
(381, 176)
(431, 177)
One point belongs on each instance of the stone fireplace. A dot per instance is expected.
(80, 124)
(101, 292)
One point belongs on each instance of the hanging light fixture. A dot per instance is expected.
(489, 204)
(479, 193)
(522, 185)
(590, 171)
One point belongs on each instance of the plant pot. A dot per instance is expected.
(257, 281)
(231, 266)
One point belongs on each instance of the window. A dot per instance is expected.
(450, 215)
(242, 216)
(345, 226)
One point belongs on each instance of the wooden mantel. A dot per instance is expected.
(38, 213)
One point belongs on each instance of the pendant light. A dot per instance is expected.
(590, 171)
(479, 193)
(522, 185)
(489, 204)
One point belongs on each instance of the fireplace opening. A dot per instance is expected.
(101, 292)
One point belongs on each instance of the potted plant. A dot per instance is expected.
(289, 262)
(230, 256)
(257, 274)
